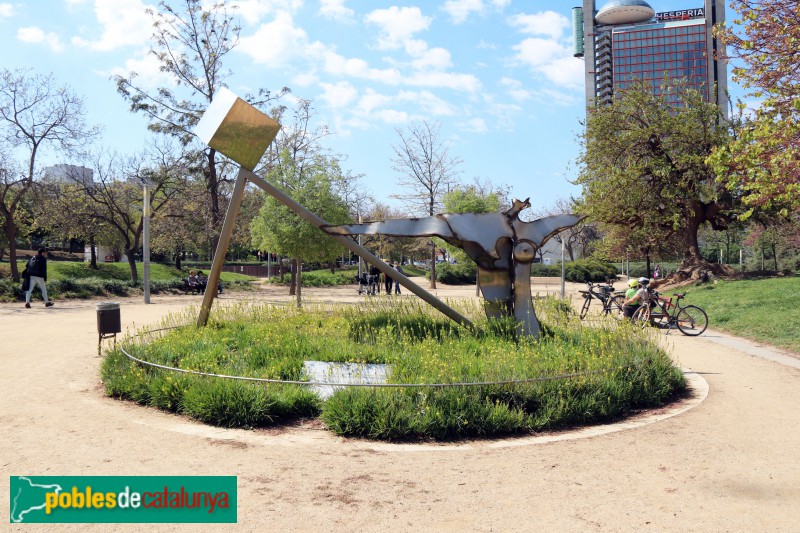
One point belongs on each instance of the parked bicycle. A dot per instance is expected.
(367, 284)
(610, 299)
(664, 312)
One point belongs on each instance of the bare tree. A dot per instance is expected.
(116, 194)
(190, 45)
(35, 114)
(427, 170)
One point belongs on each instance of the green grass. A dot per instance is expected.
(766, 310)
(621, 371)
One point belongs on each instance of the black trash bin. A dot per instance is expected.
(108, 322)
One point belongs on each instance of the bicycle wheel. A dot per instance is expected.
(614, 306)
(692, 320)
(585, 308)
(641, 317)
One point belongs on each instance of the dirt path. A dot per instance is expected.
(729, 464)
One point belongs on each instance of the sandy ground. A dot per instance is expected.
(730, 463)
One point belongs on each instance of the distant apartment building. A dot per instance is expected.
(64, 173)
(628, 39)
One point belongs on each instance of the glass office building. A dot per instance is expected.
(627, 40)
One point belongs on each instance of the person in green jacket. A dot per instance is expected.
(629, 308)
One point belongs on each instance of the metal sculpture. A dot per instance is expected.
(502, 245)
(241, 132)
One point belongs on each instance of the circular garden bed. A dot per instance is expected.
(444, 382)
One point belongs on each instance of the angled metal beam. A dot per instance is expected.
(222, 247)
(362, 252)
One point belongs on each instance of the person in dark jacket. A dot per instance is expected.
(37, 272)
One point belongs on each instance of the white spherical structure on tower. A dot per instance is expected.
(625, 12)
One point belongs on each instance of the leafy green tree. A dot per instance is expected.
(764, 162)
(64, 210)
(35, 115)
(280, 230)
(469, 199)
(644, 167)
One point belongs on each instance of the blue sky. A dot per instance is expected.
(498, 75)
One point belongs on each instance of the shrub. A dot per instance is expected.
(456, 274)
(589, 270)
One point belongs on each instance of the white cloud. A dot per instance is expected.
(397, 24)
(6, 10)
(391, 116)
(474, 125)
(338, 95)
(435, 58)
(34, 35)
(446, 80)
(547, 23)
(515, 90)
(147, 69)
(123, 22)
(460, 10)
(252, 11)
(536, 52)
(429, 102)
(335, 9)
(358, 68)
(565, 71)
(276, 43)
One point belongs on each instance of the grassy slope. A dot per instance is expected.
(75, 270)
(766, 310)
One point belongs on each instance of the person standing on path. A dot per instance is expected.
(396, 282)
(387, 281)
(37, 271)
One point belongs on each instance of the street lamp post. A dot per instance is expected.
(146, 242)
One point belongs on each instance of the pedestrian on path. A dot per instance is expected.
(396, 282)
(37, 273)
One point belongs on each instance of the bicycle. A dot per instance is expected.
(689, 320)
(612, 300)
(367, 284)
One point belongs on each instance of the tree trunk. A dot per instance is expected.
(92, 253)
(132, 265)
(691, 254)
(293, 282)
(11, 234)
(332, 266)
(299, 278)
(178, 259)
(647, 262)
(212, 186)
(775, 256)
(433, 265)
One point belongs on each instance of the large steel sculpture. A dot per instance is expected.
(502, 245)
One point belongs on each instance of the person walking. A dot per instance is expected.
(387, 281)
(37, 273)
(396, 282)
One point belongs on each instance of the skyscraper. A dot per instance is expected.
(628, 39)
